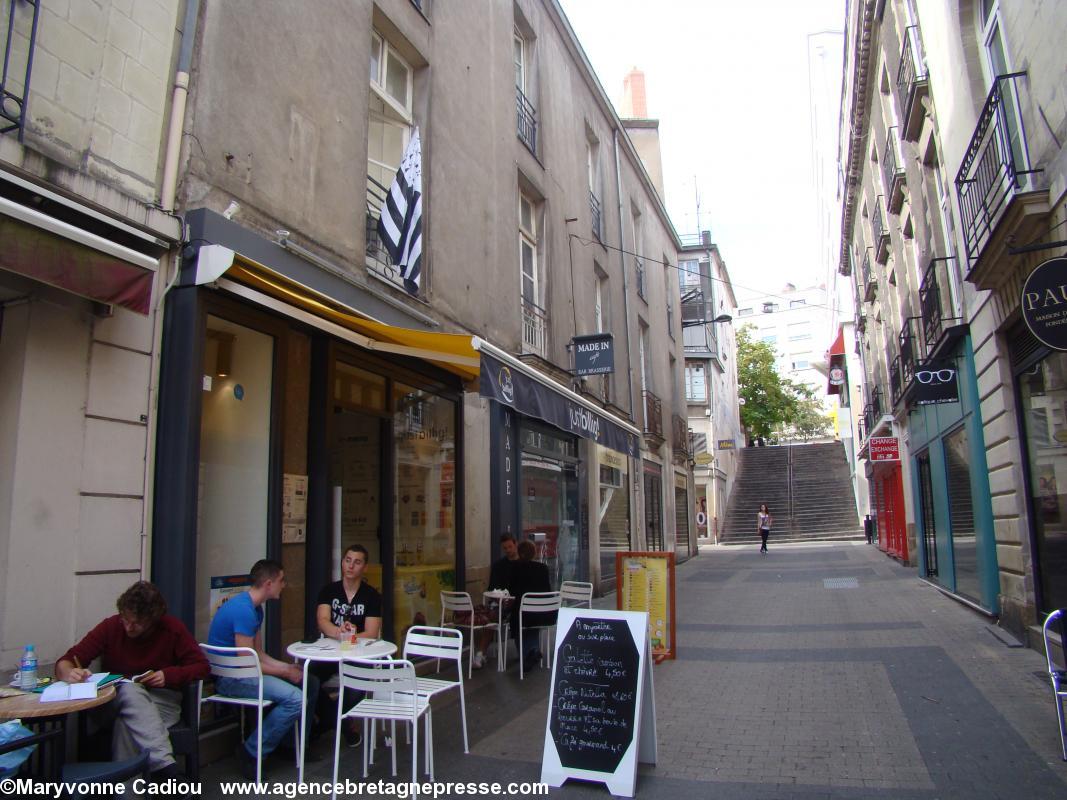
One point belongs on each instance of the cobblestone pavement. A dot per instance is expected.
(786, 687)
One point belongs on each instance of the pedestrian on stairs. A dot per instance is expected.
(764, 521)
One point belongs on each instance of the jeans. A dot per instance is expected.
(764, 533)
(280, 717)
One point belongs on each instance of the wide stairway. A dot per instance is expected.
(807, 487)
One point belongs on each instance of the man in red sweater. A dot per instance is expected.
(141, 638)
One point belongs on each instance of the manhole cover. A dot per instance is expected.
(840, 583)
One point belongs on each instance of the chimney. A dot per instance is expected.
(634, 102)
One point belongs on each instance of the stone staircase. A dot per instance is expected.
(807, 488)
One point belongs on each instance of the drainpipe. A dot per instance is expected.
(635, 463)
(167, 194)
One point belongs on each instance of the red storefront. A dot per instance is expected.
(887, 495)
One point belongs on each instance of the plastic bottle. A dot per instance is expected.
(28, 669)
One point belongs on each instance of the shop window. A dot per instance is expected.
(961, 514)
(681, 519)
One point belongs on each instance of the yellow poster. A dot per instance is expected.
(645, 585)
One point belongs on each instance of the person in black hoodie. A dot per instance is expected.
(528, 575)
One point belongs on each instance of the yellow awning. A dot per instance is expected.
(452, 351)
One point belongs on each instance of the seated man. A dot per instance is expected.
(237, 624)
(499, 578)
(350, 604)
(141, 638)
(527, 576)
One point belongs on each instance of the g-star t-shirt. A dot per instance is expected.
(366, 602)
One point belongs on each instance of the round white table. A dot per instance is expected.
(504, 601)
(329, 650)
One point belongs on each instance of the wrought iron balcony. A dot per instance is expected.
(913, 84)
(680, 436)
(910, 342)
(996, 166)
(378, 260)
(870, 278)
(19, 45)
(527, 121)
(639, 270)
(597, 215)
(534, 328)
(872, 412)
(893, 171)
(933, 301)
(879, 232)
(896, 381)
(653, 414)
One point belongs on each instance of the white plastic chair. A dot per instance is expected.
(1056, 675)
(426, 642)
(392, 694)
(576, 592)
(239, 662)
(460, 603)
(537, 603)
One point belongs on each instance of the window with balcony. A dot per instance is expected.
(390, 124)
(534, 319)
(525, 109)
(639, 242)
(592, 159)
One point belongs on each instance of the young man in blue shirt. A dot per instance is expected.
(237, 623)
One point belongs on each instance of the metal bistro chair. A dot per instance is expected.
(1056, 675)
(460, 603)
(426, 642)
(576, 592)
(391, 694)
(537, 603)
(240, 662)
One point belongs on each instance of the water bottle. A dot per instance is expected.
(28, 669)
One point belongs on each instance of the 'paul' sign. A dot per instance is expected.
(594, 354)
(1044, 303)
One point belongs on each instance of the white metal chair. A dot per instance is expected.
(239, 662)
(392, 694)
(1057, 675)
(426, 642)
(453, 603)
(576, 592)
(537, 603)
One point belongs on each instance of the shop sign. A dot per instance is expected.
(504, 440)
(594, 354)
(703, 459)
(885, 448)
(521, 392)
(936, 382)
(725, 444)
(1044, 303)
(837, 376)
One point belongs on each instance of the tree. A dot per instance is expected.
(768, 400)
(809, 419)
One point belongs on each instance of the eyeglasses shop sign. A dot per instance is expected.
(594, 354)
(936, 382)
(1044, 303)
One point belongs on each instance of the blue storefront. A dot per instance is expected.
(949, 480)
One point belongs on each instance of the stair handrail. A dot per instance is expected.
(789, 483)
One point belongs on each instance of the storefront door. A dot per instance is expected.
(653, 480)
(550, 502)
(926, 514)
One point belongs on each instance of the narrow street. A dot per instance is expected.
(788, 687)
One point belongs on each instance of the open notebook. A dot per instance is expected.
(61, 690)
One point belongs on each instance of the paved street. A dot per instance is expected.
(787, 688)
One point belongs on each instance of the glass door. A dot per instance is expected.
(653, 507)
(926, 509)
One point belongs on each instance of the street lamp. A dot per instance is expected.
(694, 322)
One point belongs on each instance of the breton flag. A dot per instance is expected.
(400, 226)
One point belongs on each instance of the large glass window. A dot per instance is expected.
(550, 501)
(961, 514)
(232, 514)
(1043, 390)
(424, 428)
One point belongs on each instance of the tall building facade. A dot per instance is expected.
(954, 175)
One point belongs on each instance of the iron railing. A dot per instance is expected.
(597, 215)
(653, 414)
(378, 260)
(912, 80)
(896, 381)
(527, 121)
(680, 435)
(534, 328)
(910, 342)
(996, 165)
(893, 170)
(15, 89)
(870, 278)
(879, 232)
(639, 270)
(872, 412)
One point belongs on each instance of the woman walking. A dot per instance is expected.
(764, 521)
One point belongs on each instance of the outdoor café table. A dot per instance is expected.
(503, 602)
(329, 650)
(29, 707)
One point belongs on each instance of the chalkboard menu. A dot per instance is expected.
(601, 709)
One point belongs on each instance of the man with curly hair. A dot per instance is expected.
(141, 640)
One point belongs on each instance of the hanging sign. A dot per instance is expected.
(725, 444)
(1044, 303)
(601, 704)
(837, 376)
(936, 382)
(885, 448)
(645, 582)
(594, 354)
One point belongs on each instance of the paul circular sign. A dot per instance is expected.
(1044, 303)
(837, 376)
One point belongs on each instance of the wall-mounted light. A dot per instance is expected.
(223, 351)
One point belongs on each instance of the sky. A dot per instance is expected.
(728, 80)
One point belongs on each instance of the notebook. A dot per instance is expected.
(61, 690)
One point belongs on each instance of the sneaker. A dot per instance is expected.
(353, 736)
(479, 661)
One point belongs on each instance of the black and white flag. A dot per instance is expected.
(400, 226)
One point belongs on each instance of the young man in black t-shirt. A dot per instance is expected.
(345, 605)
